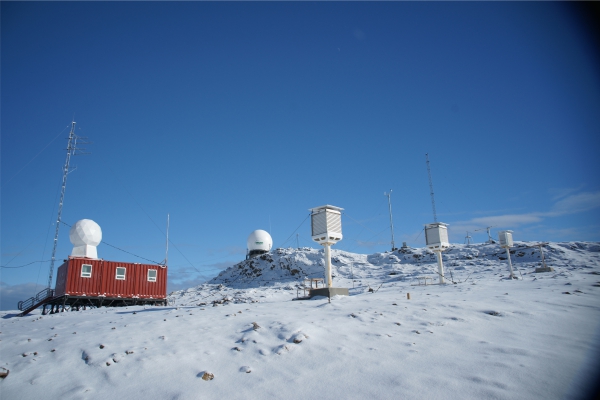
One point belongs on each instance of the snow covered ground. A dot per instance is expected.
(485, 337)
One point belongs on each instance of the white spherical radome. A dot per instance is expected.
(85, 232)
(260, 240)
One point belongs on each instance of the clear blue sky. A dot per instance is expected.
(240, 116)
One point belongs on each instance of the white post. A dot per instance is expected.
(327, 265)
(440, 266)
(542, 252)
(512, 275)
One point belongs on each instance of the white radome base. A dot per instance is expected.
(85, 251)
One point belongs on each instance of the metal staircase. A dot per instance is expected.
(27, 306)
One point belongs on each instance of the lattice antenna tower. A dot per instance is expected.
(72, 150)
(431, 188)
(389, 196)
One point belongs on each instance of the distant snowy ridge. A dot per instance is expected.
(290, 265)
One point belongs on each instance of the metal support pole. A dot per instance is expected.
(512, 275)
(440, 267)
(327, 265)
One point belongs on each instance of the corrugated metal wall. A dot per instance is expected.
(103, 282)
(61, 279)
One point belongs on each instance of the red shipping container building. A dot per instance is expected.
(111, 279)
(83, 282)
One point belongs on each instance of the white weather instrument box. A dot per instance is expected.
(436, 236)
(326, 224)
(505, 238)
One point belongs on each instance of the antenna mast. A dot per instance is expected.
(167, 245)
(431, 188)
(468, 238)
(490, 239)
(71, 148)
(389, 195)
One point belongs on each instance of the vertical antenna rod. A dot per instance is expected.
(167, 246)
(70, 150)
(431, 188)
(389, 195)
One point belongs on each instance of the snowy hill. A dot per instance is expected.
(484, 337)
(285, 267)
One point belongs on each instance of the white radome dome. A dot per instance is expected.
(259, 240)
(85, 232)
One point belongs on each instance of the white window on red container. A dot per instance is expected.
(86, 271)
(121, 273)
(151, 275)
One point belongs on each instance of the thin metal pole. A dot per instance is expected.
(70, 150)
(389, 195)
(167, 245)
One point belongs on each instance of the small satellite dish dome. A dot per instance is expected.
(85, 235)
(259, 242)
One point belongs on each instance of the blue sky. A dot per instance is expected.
(240, 116)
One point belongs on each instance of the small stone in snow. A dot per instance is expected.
(207, 376)
(255, 326)
(101, 346)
